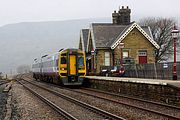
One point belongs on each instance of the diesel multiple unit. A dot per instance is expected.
(66, 67)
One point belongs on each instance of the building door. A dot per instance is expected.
(72, 64)
(142, 57)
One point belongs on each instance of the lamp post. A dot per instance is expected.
(174, 32)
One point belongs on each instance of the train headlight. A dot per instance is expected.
(63, 68)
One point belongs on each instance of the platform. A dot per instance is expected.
(165, 91)
(175, 83)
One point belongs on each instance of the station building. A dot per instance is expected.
(107, 44)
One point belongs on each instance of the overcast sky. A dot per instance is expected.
(14, 11)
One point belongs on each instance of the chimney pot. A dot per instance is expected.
(122, 17)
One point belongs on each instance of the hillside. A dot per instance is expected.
(20, 43)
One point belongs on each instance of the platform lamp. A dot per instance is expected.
(175, 33)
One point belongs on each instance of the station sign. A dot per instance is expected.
(92, 52)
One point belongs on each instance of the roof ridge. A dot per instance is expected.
(111, 24)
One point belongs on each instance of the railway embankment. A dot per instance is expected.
(16, 103)
(27, 106)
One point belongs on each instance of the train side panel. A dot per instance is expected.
(36, 68)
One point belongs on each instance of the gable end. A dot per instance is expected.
(129, 30)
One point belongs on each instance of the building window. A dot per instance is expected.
(125, 54)
(107, 59)
(142, 53)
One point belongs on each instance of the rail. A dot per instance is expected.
(141, 100)
(51, 104)
(101, 112)
(141, 108)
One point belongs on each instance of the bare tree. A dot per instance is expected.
(161, 31)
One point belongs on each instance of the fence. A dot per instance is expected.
(153, 71)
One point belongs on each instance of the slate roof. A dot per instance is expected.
(105, 34)
(84, 36)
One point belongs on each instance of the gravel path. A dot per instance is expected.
(26, 106)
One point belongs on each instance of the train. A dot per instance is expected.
(66, 67)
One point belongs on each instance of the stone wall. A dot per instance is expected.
(159, 93)
(100, 57)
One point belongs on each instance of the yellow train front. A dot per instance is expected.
(67, 67)
(72, 67)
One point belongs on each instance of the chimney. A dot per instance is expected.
(122, 17)
(115, 17)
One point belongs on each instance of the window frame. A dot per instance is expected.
(107, 59)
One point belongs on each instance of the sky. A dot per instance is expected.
(15, 11)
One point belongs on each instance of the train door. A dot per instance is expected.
(72, 64)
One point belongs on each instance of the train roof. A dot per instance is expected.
(53, 55)
(68, 49)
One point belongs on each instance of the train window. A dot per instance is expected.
(63, 60)
(63, 54)
(56, 64)
(80, 61)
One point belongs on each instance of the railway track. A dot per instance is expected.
(167, 111)
(51, 104)
(3, 82)
(93, 92)
(132, 98)
(144, 108)
(95, 110)
(163, 109)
